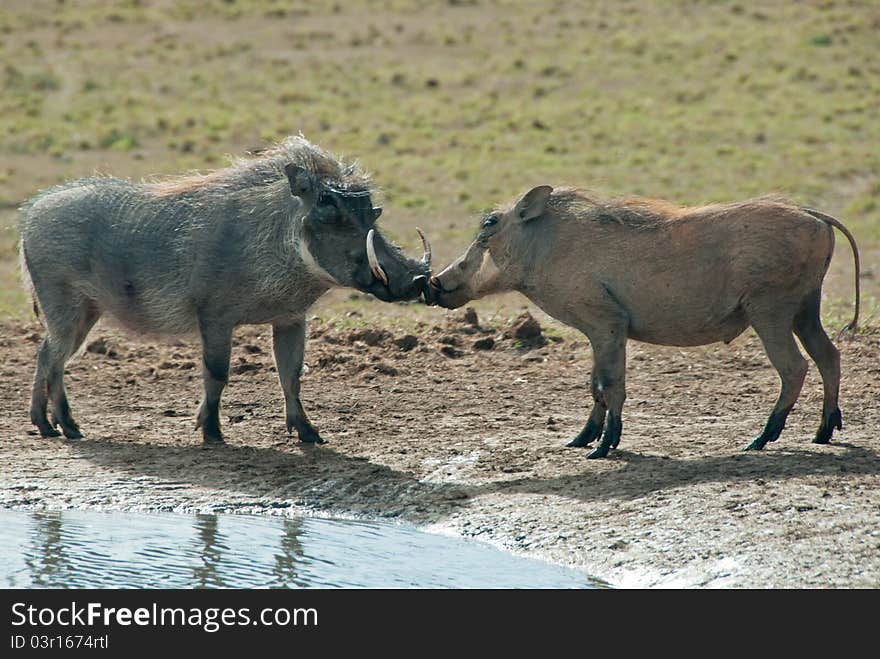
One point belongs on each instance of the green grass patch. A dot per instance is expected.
(14, 301)
(456, 107)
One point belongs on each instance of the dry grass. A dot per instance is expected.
(455, 107)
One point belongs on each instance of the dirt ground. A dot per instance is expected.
(428, 429)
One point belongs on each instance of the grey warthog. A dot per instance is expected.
(257, 242)
(651, 271)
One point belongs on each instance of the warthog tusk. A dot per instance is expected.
(376, 269)
(426, 257)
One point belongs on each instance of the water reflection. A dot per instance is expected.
(47, 560)
(85, 549)
(290, 552)
(210, 549)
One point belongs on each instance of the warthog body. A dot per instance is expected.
(257, 242)
(648, 270)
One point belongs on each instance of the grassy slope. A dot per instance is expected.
(455, 106)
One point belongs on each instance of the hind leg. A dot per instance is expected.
(775, 331)
(40, 391)
(67, 328)
(808, 327)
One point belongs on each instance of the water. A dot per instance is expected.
(87, 549)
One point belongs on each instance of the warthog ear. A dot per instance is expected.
(301, 184)
(533, 203)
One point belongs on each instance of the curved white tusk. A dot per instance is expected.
(376, 269)
(426, 257)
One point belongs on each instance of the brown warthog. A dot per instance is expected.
(257, 242)
(651, 271)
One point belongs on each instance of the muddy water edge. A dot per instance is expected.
(677, 504)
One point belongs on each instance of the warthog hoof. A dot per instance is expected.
(212, 440)
(599, 452)
(310, 436)
(611, 438)
(823, 435)
(771, 431)
(42, 423)
(68, 427)
(306, 432)
(586, 436)
(207, 419)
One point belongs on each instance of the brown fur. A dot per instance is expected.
(178, 185)
(649, 270)
(577, 204)
(266, 168)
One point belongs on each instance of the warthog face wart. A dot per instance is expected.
(339, 239)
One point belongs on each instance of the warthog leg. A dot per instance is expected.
(216, 351)
(66, 328)
(808, 327)
(609, 350)
(288, 343)
(611, 438)
(774, 330)
(40, 393)
(596, 422)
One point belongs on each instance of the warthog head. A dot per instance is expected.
(492, 263)
(341, 241)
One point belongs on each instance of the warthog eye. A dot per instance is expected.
(490, 221)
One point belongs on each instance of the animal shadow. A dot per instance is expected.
(641, 474)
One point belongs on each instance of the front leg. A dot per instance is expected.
(289, 345)
(597, 417)
(609, 349)
(216, 350)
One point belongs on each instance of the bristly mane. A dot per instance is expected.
(640, 213)
(267, 168)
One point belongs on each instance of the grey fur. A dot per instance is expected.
(202, 253)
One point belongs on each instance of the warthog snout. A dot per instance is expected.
(341, 241)
(435, 293)
(389, 274)
(457, 284)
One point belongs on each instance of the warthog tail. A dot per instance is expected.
(855, 250)
(27, 280)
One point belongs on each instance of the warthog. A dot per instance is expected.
(648, 270)
(257, 242)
